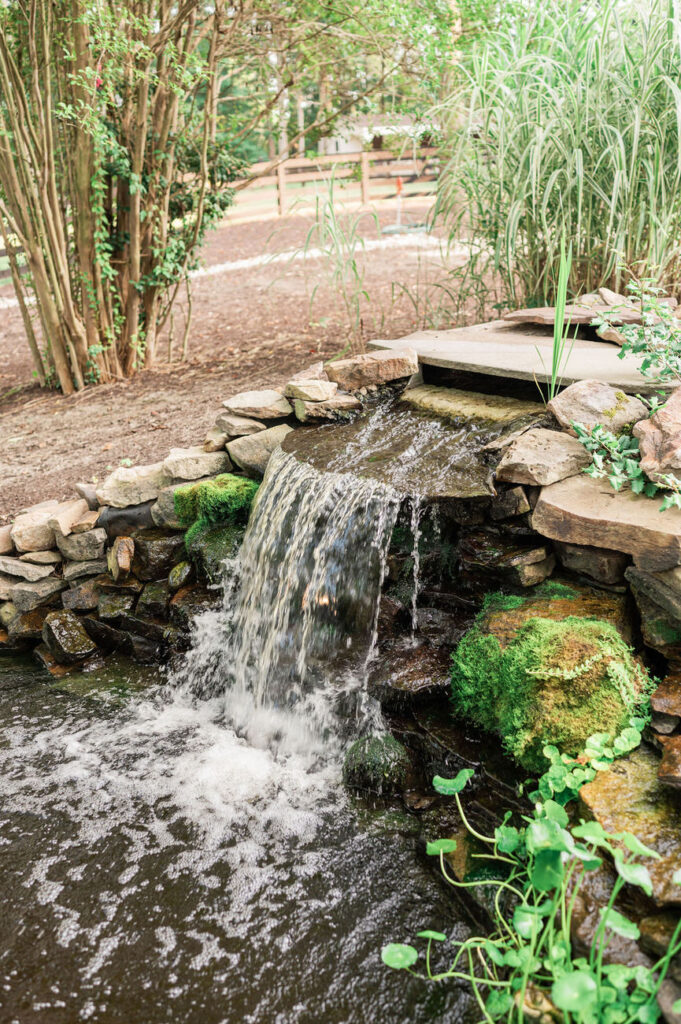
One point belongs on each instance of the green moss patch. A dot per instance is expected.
(223, 499)
(552, 681)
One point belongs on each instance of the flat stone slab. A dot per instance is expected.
(581, 510)
(453, 404)
(522, 352)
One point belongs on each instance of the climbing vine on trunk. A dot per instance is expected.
(109, 170)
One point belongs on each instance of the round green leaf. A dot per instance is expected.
(399, 956)
(448, 787)
(574, 990)
(507, 838)
(435, 936)
(547, 870)
(440, 846)
(635, 874)
(619, 924)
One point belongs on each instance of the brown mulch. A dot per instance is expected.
(250, 328)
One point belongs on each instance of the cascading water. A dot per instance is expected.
(190, 854)
(302, 594)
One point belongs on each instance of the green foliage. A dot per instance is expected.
(560, 352)
(550, 684)
(223, 499)
(618, 458)
(656, 342)
(565, 124)
(527, 968)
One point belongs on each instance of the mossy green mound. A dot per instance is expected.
(550, 681)
(223, 499)
(377, 764)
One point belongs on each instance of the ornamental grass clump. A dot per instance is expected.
(553, 682)
(565, 125)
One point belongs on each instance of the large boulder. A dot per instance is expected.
(259, 405)
(252, 453)
(592, 403)
(536, 674)
(659, 439)
(133, 486)
(629, 797)
(373, 368)
(542, 456)
(581, 510)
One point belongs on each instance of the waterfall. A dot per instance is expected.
(302, 596)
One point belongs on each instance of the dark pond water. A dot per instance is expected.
(156, 867)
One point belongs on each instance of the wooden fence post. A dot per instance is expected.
(366, 174)
(281, 182)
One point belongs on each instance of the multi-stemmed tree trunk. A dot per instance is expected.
(106, 115)
(120, 121)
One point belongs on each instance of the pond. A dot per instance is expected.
(179, 845)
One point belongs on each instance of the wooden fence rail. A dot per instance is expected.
(359, 176)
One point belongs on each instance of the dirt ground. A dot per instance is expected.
(250, 327)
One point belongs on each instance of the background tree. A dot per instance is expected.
(123, 123)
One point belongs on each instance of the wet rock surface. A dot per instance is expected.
(27, 596)
(156, 552)
(64, 635)
(665, 704)
(409, 672)
(120, 521)
(599, 564)
(376, 764)
(629, 797)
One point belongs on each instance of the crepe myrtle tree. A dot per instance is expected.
(120, 136)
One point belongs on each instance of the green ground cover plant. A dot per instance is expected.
(527, 968)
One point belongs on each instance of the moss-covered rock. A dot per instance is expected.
(376, 764)
(210, 545)
(223, 499)
(539, 679)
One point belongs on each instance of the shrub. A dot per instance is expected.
(555, 682)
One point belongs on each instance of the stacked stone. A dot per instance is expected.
(108, 570)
